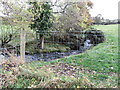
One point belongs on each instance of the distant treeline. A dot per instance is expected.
(107, 22)
(99, 20)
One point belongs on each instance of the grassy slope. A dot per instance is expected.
(101, 59)
(99, 63)
(104, 56)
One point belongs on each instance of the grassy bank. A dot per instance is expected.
(96, 67)
(103, 57)
(31, 48)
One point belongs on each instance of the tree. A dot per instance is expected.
(74, 16)
(7, 34)
(19, 16)
(42, 20)
(72, 19)
(98, 19)
(10, 20)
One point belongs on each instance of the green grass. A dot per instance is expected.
(101, 57)
(48, 47)
(97, 66)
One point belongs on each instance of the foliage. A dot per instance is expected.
(15, 16)
(42, 17)
(7, 34)
(16, 13)
(70, 23)
(42, 20)
(98, 19)
(95, 36)
(76, 17)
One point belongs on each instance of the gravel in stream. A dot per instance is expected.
(50, 56)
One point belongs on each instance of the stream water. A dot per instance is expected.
(57, 55)
(45, 56)
(52, 55)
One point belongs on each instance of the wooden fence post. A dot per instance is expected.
(22, 44)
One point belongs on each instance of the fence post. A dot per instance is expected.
(22, 44)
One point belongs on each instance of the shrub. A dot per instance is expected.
(95, 36)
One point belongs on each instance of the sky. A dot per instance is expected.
(108, 8)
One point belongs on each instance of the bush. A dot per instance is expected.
(72, 39)
(7, 34)
(95, 36)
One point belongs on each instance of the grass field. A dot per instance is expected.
(97, 67)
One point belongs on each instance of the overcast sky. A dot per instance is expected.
(108, 8)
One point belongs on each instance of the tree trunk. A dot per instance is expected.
(41, 42)
(22, 45)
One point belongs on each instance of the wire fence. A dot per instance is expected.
(57, 44)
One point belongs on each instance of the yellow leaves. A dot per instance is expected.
(78, 86)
